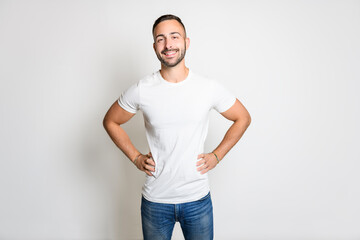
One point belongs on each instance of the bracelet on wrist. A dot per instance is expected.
(136, 158)
(216, 158)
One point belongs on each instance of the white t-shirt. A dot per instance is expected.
(176, 117)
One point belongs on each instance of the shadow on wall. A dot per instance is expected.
(111, 171)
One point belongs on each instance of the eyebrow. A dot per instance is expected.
(162, 35)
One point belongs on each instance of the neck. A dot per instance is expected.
(174, 74)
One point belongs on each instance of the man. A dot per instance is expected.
(175, 103)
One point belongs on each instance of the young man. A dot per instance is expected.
(175, 103)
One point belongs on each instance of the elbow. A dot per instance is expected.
(245, 120)
(108, 123)
(105, 123)
(248, 120)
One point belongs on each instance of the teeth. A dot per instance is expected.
(169, 53)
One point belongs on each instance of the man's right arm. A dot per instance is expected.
(116, 116)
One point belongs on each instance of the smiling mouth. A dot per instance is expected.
(170, 53)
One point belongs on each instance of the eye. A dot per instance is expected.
(159, 40)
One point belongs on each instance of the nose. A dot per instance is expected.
(168, 44)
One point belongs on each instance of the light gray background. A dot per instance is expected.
(293, 64)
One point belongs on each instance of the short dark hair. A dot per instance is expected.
(167, 17)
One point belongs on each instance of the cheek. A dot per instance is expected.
(159, 47)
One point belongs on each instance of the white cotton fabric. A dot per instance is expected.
(176, 117)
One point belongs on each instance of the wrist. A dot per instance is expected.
(136, 158)
(217, 159)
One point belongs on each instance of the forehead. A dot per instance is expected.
(169, 26)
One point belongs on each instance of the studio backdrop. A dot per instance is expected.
(294, 175)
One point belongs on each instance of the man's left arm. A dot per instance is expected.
(241, 118)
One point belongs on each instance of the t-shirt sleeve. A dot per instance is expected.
(223, 99)
(130, 99)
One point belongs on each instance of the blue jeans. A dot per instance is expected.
(196, 219)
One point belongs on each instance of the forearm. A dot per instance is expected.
(121, 139)
(232, 136)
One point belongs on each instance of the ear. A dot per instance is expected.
(154, 47)
(187, 40)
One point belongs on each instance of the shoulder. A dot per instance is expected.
(146, 81)
(149, 79)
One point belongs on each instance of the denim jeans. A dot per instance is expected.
(195, 218)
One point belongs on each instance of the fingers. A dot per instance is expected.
(150, 161)
(202, 167)
(206, 163)
(151, 169)
(148, 173)
(147, 164)
(202, 161)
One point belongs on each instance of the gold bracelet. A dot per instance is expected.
(136, 158)
(216, 157)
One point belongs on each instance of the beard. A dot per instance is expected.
(167, 63)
